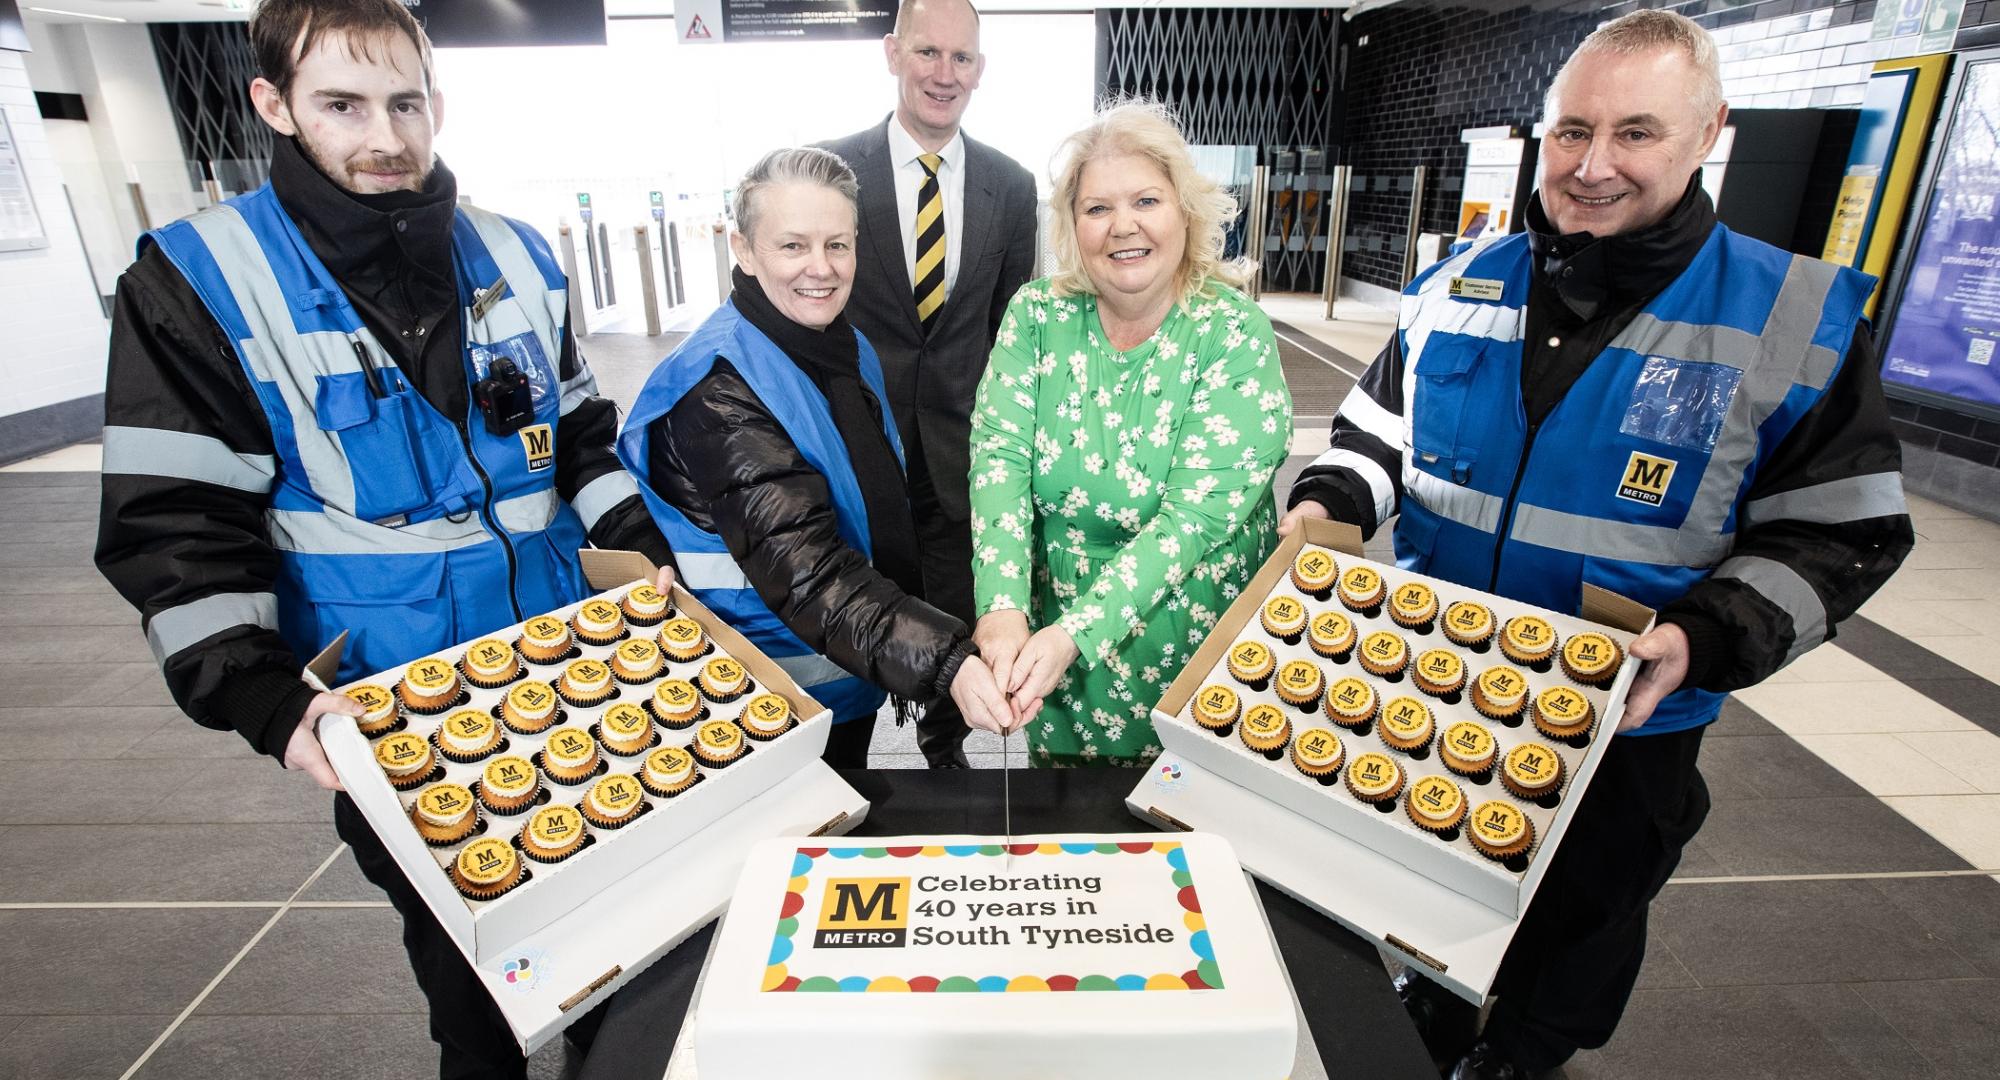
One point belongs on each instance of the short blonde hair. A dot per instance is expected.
(1146, 129)
(1645, 31)
(791, 165)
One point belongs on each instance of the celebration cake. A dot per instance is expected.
(923, 957)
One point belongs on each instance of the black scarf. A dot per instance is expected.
(831, 358)
(1592, 274)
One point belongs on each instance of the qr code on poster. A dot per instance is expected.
(1981, 352)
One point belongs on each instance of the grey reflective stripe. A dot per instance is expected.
(1650, 336)
(1604, 539)
(811, 669)
(601, 494)
(1855, 498)
(179, 627)
(1380, 488)
(578, 389)
(181, 455)
(1368, 415)
(528, 513)
(524, 279)
(710, 570)
(1453, 502)
(1782, 586)
(335, 533)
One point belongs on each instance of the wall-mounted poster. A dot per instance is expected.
(713, 22)
(1947, 315)
(20, 224)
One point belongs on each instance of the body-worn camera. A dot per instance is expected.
(504, 397)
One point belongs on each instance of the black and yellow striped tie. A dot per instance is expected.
(930, 243)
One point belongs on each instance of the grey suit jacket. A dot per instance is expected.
(932, 377)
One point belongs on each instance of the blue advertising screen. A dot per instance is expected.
(1948, 322)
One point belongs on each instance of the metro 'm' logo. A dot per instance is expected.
(1646, 479)
(869, 913)
(538, 445)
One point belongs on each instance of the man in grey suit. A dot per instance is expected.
(947, 236)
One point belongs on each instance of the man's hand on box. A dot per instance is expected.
(1664, 651)
(665, 581)
(303, 752)
(1305, 509)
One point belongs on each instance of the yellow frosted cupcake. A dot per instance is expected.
(489, 663)
(766, 717)
(1414, 605)
(1361, 589)
(1562, 713)
(1351, 703)
(1266, 731)
(467, 736)
(719, 742)
(1470, 625)
(406, 759)
(1300, 683)
(644, 605)
(487, 869)
(1501, 831)
(1375, 779)
(676, 704)
(380, 716)
(570, 756)
(669, 771)
(1284, 618)
(1468, 748)
(1314, 573)
(429, 686)
(1436, 804)
(1527, 639)
(613, 801)
(723, 680)
(585, 682)
(1318, 753)
(1500, 693)
(1251, 664)
(1439, 673)
(598, 622)
(1406, 725)
(1216, 708)
(1591, 658)
(1332, 635)
(444, 814)
(626, 729)
(637, 660)
(545, 639)
(509, 784)
(1532, 771)
(553, 833)
(530, 707)
(1384, 655)
(683, 639)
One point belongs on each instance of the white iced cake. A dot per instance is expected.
(921, 958)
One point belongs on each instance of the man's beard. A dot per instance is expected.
(349, 174)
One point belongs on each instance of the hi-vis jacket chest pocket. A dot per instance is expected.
(379, 437)
(1442, 399)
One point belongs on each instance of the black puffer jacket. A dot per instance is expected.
(721, 458)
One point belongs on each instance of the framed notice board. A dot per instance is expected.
(20, 222)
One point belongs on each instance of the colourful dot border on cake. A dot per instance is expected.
(1204, 975)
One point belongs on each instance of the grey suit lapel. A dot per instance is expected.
(877, 176)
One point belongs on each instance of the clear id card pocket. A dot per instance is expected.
(1681, 403)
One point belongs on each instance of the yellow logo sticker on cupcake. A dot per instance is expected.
(625, 721)
(1499, 822)
(373, 698)
(1562, 706)
(638, 652)
(676, 693)
(1351, 696)
(444, 803)
(569, 745)
(720, 735)
(1469, 740)
(1263, 721)
(1406, 716)
(469, 724)
(680, 631)
(1440, 665)
(615, 793)
(508, 775)
(490, 653)
(1373, 775)
(554, 826)
(768, 713)
(402, 752)
(1436, 803)
(486, 861)
(1317, 748)
(430, 675)
(1314, 570)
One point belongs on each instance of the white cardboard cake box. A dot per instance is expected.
(597, 919)
(1441, 906)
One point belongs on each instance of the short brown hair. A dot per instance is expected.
(282, 31)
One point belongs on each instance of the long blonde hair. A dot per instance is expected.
(1147, 129)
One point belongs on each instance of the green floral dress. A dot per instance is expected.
(1127, 495)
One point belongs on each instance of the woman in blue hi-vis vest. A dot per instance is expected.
(767, 456)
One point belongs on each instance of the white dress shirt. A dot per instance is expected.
(903, 153)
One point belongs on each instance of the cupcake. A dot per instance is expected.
(766, 717)
(668, 772)
(1351, 703)
(1361, 589)
(1591, 658)
(467, 736)
(1375, 779)
(613, 801)
(508, 785)
(598, 622)
(444, 814)
(1436, 804)
(429, 686)
(718, 743)
(722, 680)
(1528, 640)
(1500, 693)
(1532, 771)
(585, 682)
(530, 707)
(1469, 624)
(1265, 730)
(1562, 713)
(1439, 673)
(1500, 830)
(545, 639)
(489, 663)
(683, 639)
(1300, 683)
(570, 757)
(1332, 635)
(1384, 654)
(1406, 725)
(675, 704)
(486, 869)
(1284, 618)
(645, 606)
(1318, 753)
(1468, 748)
(636, 661)
(1415, 606)
(1216, 708)
(1313, 573)
(406, 759)
(553, 833)
(625, 729)
(1251, 663)
(379, 709)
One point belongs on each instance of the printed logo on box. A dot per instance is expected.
(869, 913)
(1168, 775)
(1646, 479)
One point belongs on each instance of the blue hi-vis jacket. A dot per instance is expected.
(1633, 482)
(390, 521)
(706, 567)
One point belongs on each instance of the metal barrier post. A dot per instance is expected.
(567, 240)
(1416, 222)
(604, 250)
(1336, 237)
(1260, 194)
(642, 237)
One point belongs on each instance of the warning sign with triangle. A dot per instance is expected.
(698, 30)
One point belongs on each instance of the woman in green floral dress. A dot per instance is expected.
(1123, 443)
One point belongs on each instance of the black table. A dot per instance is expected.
(1356, 1021)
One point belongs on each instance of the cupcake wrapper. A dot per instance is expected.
(1421, 626)
(463, 758)
(597, 731)
(520, 672)
(478, 827)
(1370, 609)
(1259, 685)
(1477, 644)
(749, 684)
(599, 770)
(610, 691)
(646, 620)
(398, 724)
(713, 764)
(644, 809)
(551, 860)
(499, 712)
(707, 647)
(789, 725)
(663, 793)
(436, 773)
(1355, 724)
(1482, 775)
(456, 700)
(536, 797)
(1512, 718)
(638, 680)
(495, 892)
(700, 714)
(621, 635)
(1338, 656)
(565, 656)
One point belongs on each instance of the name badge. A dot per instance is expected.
(1477, 288)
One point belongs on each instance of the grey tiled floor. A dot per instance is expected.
(151, 869)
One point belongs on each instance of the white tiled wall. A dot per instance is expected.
(1801, 61)
(52, 331)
